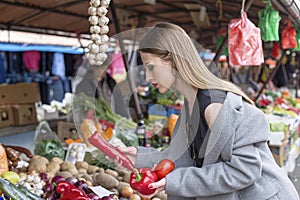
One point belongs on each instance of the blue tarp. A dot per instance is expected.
(48, 48)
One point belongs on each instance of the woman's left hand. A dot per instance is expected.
(159, 186)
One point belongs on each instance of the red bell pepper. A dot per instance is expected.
(140, 180)
(70, 192)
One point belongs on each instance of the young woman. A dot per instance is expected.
(219, 145)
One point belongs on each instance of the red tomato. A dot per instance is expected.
(164, 167)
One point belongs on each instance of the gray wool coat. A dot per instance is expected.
(238, 164)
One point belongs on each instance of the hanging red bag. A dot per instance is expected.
(288, 38)
(244, 41)
(276, 50)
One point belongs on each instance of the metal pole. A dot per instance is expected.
(271, 75)
(141, 126)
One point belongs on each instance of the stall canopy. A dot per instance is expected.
(200, 18)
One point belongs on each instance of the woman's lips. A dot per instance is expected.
(155, 84)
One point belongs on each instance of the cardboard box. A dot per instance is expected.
(19, 93)
(24, 114)
(280, 153)
(6, 116)
(67, 130)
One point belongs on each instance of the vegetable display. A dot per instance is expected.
(70, 192)
(15, 193)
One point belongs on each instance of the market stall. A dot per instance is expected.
(73, 134)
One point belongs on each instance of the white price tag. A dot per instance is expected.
(101, 191)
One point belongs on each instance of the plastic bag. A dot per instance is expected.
(269, 23)
(276, 50)
(297, 39)
(245, 45)
(288, 38)
(47, 143)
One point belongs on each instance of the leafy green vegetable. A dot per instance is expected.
(97, 158)
(49, 149)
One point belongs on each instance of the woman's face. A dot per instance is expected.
(158, 72)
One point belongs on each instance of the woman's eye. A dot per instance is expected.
(150, 67)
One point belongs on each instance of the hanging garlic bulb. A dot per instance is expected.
(103, 48)
(104, 38)
(95, 37)
(99, 28)
(95, 3)
(95, 29)
(105, 3)
(104, 30)
(92, 11)
(94, 20)
(103, 21)
(101, 11)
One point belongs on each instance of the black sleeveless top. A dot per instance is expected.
(197, 126)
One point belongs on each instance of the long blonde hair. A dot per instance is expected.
(170, 42)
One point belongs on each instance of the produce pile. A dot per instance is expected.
(59, 179)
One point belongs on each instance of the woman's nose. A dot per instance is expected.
(149, 76)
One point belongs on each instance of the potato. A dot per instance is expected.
(92, 169)
(82, 171)
(120, 178)
(38, 164)
(126, 177)
(106, 180)
(57, 160)
(68, 166)
(112, 172)
(115, 191)
(65, 174)
(53, 167)
(162, 195)
(82, 164)
(126, 192)
(87, 177)
(122, 184)
(135, 197)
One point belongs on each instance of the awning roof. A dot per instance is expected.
(70, 17)
(47, 48)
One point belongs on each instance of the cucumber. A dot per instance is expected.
(28, 193)
(12, 191)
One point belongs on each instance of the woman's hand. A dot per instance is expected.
(130, 152)
(159, 186)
